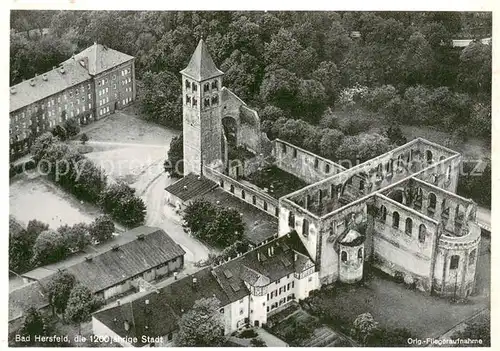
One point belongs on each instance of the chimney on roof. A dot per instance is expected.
(175, 275)
(272, 250)
(118, 302)
(146, 302)
(195, 282)
(61, 69)
(258, 256)
(185, 187)
(295, 256)
(88, 258)
(13, 90)
(269, 251)
(44, 77)
(115, 247)
(95, 42)
(140, 236)
(32, 82)
(199, 178)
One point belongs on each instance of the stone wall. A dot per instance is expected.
(303, 164)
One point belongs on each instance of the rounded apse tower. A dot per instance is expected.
(351, 257)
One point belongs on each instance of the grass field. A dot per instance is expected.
(40, 199)
(395, 306)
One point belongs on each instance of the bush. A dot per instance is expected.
(248, 334)
(50, 247)
(258, 342)
(102, 229)
(119, 200)
(72, 126)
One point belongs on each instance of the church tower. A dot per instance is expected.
(202, 123)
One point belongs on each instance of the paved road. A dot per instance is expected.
(165, 217)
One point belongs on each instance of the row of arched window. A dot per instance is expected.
(254, 199)
(344, 256)
(422, 229)
(455, 260)
(305, 223)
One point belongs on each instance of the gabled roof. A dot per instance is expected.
(191, 186)
(69, 74)
(99, 58)
(24, 297)
(201, 66)
(160, 315)
(115, 266)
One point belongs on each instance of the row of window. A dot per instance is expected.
(254, 198)
(206, 87)
(103, 110)
(281, 302)
(455, 260)
(422, 230)
(281, 290)
(207, 102)
(104, 101)
(305, 223)
(344, 256)
(316, 160)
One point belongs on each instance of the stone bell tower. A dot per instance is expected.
(202, 123)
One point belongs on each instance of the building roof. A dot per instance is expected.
(201, 66)
(29, 295)
(52, 82)
(117, 265)
(164, 308)
(225, 282)
(99, 58)
(190, 186)
(261, 265)
(351, 238)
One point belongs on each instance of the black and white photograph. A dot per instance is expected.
(276, 178)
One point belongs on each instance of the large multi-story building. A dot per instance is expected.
(397, 212)
(88, 86)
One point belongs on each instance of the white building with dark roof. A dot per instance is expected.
(88, 86)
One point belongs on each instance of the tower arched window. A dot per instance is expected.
(305, 227)
(343, 256)
(206, 87)
(454, 261)
(194, 86)
(243, 194)
(206, 102)
(291, 220)
(472, 257)
(422, 233)
(188, 100)
(432, 201)
(408, 226)
(383, 213)
(195, 102)
(215, 99)
(428, 156)
(360, 253)
(187, 84)
(231, 189)
(215, 85)
(395, 219)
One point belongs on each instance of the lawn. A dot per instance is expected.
(40, 199)
(275, 181)
(395, 306)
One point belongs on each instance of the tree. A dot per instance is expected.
(102, 229)
(162, 99)
(81, 303)
(279, 88)
(328, 75)
(363, 147)
(202, 326)
(33, 325)
(475, 68)
(50, 247)
(330, 142)
(40, 146)
(197, 215)
(60, 132)
(84, 138)
(226, 228)
(363, 327)
(35, 227)
(174, 164)
(132, 211)
(20, 247)
(109, 198)
(71, 125)
(395, 135)
(77, 236)
(478, 330)
(271, 113)
(311, 100)
(58, 290)
(258, 342)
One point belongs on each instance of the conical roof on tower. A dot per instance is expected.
(201, 66)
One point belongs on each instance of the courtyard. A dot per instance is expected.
(275, 181)
(395, 306)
